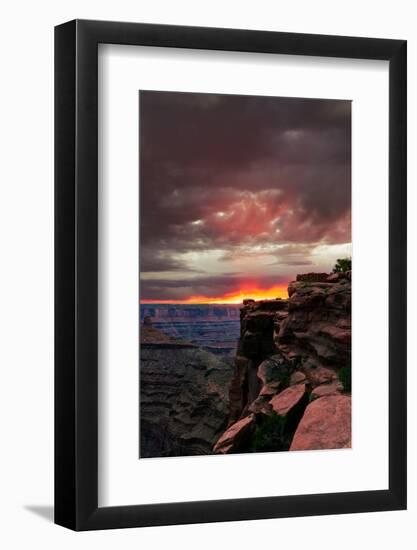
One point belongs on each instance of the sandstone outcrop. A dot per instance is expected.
(289, 355)
(258, 323)
(236, 436)
(312, 277)
(285, 402)
(274, 369)
(334, 388)
(317, 328)
(326, 424)
(298, 377)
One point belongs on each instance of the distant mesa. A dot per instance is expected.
(214, 328)
(153, 337)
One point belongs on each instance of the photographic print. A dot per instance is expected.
(245, 274)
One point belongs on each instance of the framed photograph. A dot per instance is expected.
(230, 254)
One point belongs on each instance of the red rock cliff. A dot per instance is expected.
(291, 354)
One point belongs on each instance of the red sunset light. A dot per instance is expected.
(236, 297)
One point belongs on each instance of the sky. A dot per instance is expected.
(239, 194)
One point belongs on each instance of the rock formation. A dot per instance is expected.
(326, 424)
(184, 400)
(285, 393)
(237, 436)
(317, 328)
(256, 343)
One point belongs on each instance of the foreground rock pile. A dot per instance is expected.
(287, 391)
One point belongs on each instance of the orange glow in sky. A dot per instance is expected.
(236, 297)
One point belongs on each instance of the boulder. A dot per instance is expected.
(269, 389)
(326, 424)
(288, 400)
(261, 405)
(319, 375)
(334, 388)
(274, 369)
(236, 436)
(298, 377)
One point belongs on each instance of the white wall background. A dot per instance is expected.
(26, 273)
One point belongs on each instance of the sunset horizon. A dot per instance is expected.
(233, 298)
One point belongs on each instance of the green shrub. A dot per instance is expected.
(269, 434)
(345, 377)
(342, 265)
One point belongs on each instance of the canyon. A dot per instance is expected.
(284, 385)
(212, 327)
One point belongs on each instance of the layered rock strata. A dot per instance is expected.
(286, 376)
(184, 399)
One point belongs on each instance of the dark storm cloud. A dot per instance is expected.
(221, 171)
(159, 260)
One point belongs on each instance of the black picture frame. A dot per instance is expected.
(76, 271)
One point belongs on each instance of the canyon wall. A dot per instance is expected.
(184, 399)
(291, 384)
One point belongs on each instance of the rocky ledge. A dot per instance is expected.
(291, 384)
